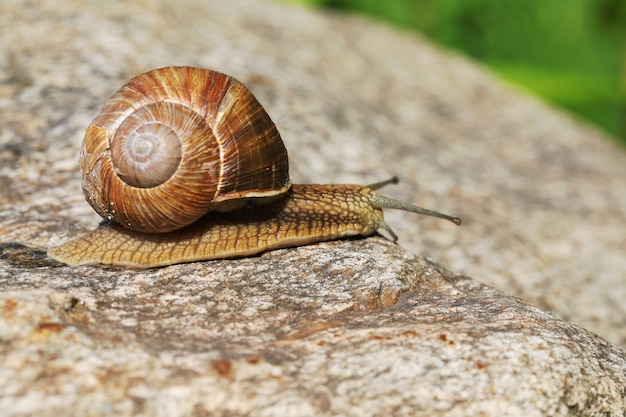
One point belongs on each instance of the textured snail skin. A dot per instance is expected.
(309, 213)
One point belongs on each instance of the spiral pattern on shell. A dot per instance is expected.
(175, 143)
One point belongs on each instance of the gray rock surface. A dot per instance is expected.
(344, 328)
(542, 196)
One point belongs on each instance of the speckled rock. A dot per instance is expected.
(542, 195)
(358, 327)
(342, 328)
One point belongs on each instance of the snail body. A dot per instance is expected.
(187, 166)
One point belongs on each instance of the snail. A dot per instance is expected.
(186, 165)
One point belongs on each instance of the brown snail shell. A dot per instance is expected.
(176, 143)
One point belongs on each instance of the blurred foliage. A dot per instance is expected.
(570, 52)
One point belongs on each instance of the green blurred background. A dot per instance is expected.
(571, 53)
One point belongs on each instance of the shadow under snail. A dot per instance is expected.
(178, 142)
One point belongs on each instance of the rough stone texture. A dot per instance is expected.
(543, 197)
(345, 328)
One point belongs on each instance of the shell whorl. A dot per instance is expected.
(175, 143)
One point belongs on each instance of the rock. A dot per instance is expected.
(541, 195)
(364, 329)
(359, 327)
